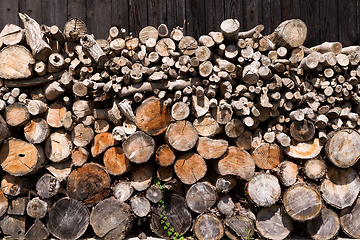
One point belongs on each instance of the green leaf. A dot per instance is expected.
(161, 216)
(181, 238)
(174, 238)
(162, 222)
(165, 218)
(172, 229)
(169, 233)
(176, 234)
(167, 224)
(166, 227)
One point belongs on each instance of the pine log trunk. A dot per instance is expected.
(190, 167)
(201, 197)
(264, 189)
(208, 226)
(325, 226)
(181, 135)
(211, 148)
(16, 62)
(139, 147)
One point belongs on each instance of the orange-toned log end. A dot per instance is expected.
(165, 155)
(55, 114)
(152, 116)
(139, 147)
(236, 162)
(267, 155)
(101, 142)
(20, 158)
(16, 114)
(190, 168)
(304, 150)
(211, 148)
(182, 135)
(115, 161)
(89, 183)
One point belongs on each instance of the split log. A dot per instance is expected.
(200, 105)
(273, 223)
(121, 217)
(239, 227)
(302, 202)
(287, 173)
(188, 45)
(37, 208)
(20, 158)
(15, 186)
(123, 191)
(225, 205)
(35, 38)
(325, 226)
(16, 114)
(101, 142)
(37, 231)
(58, 146)
(60, 170)
(341, 187)
(89, 183)
(206, 126)
(208, 226)
(115, 161)
(201, 197)
(315, 168)
(267, 155)
(178, 215)
(82, 135)
(93, 49)
(304, 150)
(181, 135)
(211, 148)
(140, 206)
(47, 186)
(139, 147)
(63, 223)
(264, 189)
(152, 116)
(165, 155)
(348, 220)
(190, 168)
(341, 154)
(141, 176)
(290, 33)
(55, 115)
(236, 162)
(13, 226)
(302, 131)
(12, 35)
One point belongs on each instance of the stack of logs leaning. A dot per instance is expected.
(249, 134)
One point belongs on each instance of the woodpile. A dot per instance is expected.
(232, 135)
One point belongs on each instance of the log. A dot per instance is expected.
(55, 115)
(211, 148)
(165, 46)
(164, 174)
(12, 34)
(33, 81)
(290, 34)
(37, 208)
(101, 142)
(187, 45)
(82, 135)
(58, 146)
(141, 176)
(37, 231)
(236, 162)
(230, 30)
(152, 116)
(16, 114)
(264, 189)
(234, 128)
(93, 49)
(36, 107)
(35, 38)
(200, 105)
(4, 130)
(60, 170)
(177, 213)
(267, 155)
(244, 140)
(74, 29)
(63, 223)
(348, 220)
(287, 172)
(190, 168)
(222, 115)
(47, 186)
(121, 217)
(19, 158)
(334, 47)
(181, 135)
(341, 187)
(315, 169)
(302, 131)
(89, 184)
(302, 202)
(13, 226)
(206, 126)
(208, 226)
(4, 203)
(123, 191)
(239, 227)
(201, 197)
(82, 108)
(225, 205)
(154, 193)
(115, 161)
(325, 226)
(140, 206)
(139, 147)
(180, 111)
(15, 186)
(148, 32)
(273, 223)
(225, 184)
(340, 154)
(165, 155)
(304, 150)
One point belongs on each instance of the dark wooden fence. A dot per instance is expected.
(327, 20)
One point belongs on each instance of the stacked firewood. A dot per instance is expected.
(232, 125)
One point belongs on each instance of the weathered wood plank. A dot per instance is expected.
(98, 17)
(8, 12)
(234, 9)
(156, 10)
(252, 14)
(348, 34)
(31, 8)
(290, 9)
(137, 21)
(175, 13)
(271, 15)
(328, 20)
(120, 14)
(310, 15)
(214, 15)
(54, 12)
(76, 8)
(195, 16)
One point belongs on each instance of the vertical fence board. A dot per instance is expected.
(137, 16)
(214, 15)
(234, 9)
(195, 16)
(31, 8)
(290, 9)
(156, 12)
(175, 13)
(347, 22)
(120, 14)
(328, 21)
(54, 12)
(252, 13)
(271, 14)
(98, 17)
(9, 12)
(310, 15)
(77, 8)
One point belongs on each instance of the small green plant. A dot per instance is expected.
(163, 219)
(248, 232)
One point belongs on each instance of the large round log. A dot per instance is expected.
(20, 158)
(211, 148)
(302, 202)
(264, 189)
(302, 131)
(290, 33)
(152, 116)
(201, 197)
(236, 162)
(349, 220)
(111, 218)
(341, 187)
(115, 161)
(208, 226)
(325, 226)
(239, 227)
(178, 216)
(36, 130)
(139, 147)
(190, 167)
(17, 114)
(343, 148)
(68, 219)
(89, 184)
(16, 62)
(267, 155)
(273, 223)
(181, 135)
